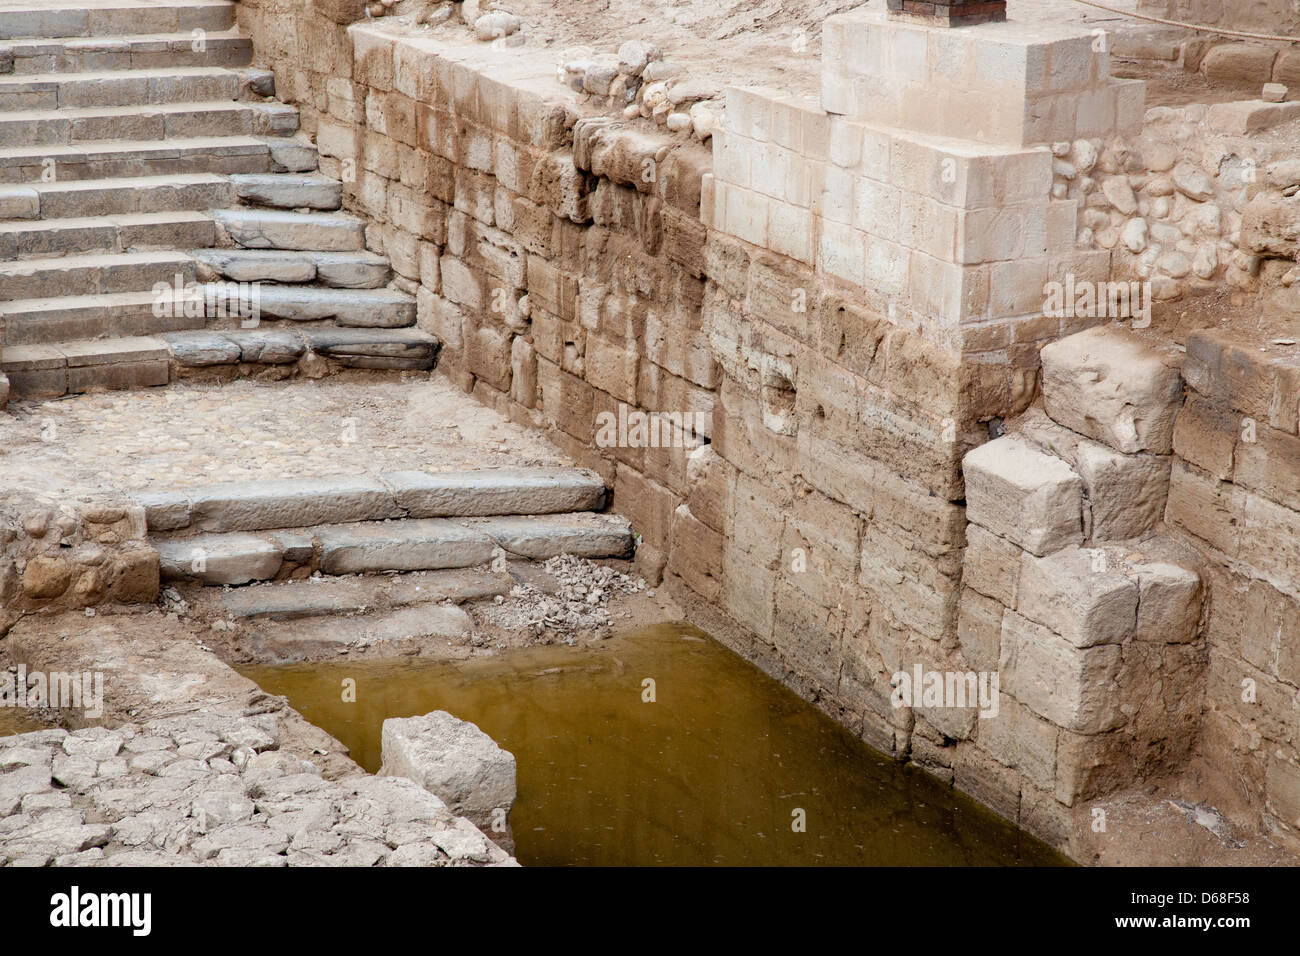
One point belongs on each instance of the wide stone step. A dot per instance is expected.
(48, 371)
(379, 547)
(289, 191)
(40, 18)
(51, 91)
(121, 233)
(341, 270)
(346, 499)
(68, 318)
(326, 597)
(390, 349)
(162, 121)
(276, 229)
(86, 275)
(107, 197)
(128, 52)
(355, 308)
(108, 159)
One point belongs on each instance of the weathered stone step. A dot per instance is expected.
(50, 91)
(392, 349)
(24, 239)
(99, 273)
(51, 19)
(352, 308)
(377, 547)
(68, 318)
(289, 191)
(347, 499)
(128, 52)
(396, 633)
(107, 197)
(48, 371)
(320, 597)
(276, 229)
(151, 122)
(110, 159)
(341, 270)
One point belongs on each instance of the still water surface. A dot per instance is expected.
(712, 772)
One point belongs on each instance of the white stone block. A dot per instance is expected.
(731, 158)
(1074, 688)
(747, 215)
(1024, 495)
(1108, 383)
(842, 252)
(1170, 599)
(790, 231)
(1126, 493)
(876, 208)
(834, 197)
(1081, 594)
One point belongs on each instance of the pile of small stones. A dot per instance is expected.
(212, 790)
(578, 601)
(638, 81)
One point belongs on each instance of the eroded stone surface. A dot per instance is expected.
(214, 790)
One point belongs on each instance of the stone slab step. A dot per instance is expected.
(152, 122)
(392, 633)
(277, 229)
(68, 318)
(39, 18)
(354, 308)
(119, 233)
(318, 597)
(289, 191)
(51, 91)
(108, 197)
(545, 536)
(391, 349)
(344, 270)
(48, 371)
(128, 52)
(107, 159)
(91, 274)
(347, 499)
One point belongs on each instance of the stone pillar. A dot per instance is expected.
(949, 13)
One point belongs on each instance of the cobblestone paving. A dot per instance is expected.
(205, 789)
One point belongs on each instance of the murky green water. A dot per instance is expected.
(712, 772)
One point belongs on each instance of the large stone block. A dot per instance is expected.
(1108, 383)
(1075, 688)
(1126, 493)
(1024, 495)
(1079, 594)
(454, 760)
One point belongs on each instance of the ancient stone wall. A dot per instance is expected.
(838, 303)
(1265, 16)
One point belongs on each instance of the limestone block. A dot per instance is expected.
(1023, 494)
(1109, 384)
(223, 559)
(991, 565)
(1081, 594)
(1127, 493)
(1075, 688)
(454, 760)
(1169, 603)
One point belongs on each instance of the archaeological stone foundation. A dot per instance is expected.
(888, 454)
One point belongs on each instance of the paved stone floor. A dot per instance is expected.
(212, 790)
(186, 435)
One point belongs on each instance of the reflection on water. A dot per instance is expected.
(712, 772)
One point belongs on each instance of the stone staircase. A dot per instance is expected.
(235, 533)
(160, 217)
